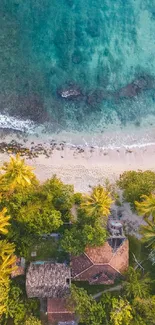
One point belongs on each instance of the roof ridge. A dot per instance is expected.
(103, 264)
(114, 268)
(117, 252)
(83, 271)
(89, 258)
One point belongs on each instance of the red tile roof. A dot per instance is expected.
(101, 264)
(80, 264)
(58, 311)
(100, 255)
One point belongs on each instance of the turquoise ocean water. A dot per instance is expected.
(91, 47)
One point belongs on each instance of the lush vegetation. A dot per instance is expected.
(30, 212)
(136, 184)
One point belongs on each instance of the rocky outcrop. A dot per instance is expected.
(136, 87)
(69, 93)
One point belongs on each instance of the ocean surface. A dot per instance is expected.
(79, 70)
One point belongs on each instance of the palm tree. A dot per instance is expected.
(7, 259)
(98, 203)
(4, 291)
(4, 222)
(6, 249)
(148, 233)
(136, 284)
(16, 174)
(147, 206)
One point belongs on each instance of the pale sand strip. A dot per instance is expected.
(90, 168)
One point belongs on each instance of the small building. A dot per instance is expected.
(18, 267)
(50, 282)
(102, 265)
(58, 312)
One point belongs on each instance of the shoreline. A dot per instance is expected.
(82, 167)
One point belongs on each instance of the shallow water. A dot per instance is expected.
(94, 46)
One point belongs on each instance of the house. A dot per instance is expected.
(51, 283)
(47, 280)
(18, 267)
(58, 312)
(102, 265)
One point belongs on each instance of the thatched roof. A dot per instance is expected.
(47, 280)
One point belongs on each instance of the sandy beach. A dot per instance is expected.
(82, 167)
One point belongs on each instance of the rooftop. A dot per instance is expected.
(59, 313)
(101, 259)
(47, 280)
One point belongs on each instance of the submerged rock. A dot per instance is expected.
(97, 96)
(136, 87)
(69, 93)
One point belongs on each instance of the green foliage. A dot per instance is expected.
(4, 222)
(143, 310)
(90, 312)
(94, 235)
(39, 218)
(4, 291)
(86, 231)
(109, 310)
(16, 174)
(71, 241)
(78, 198)
(18, 306)
(148, 233)
(121, 312)
(135, 184)
(62, 195)
(136, 284)
(81, 235)
(98, 203)
(37, 211)
(31, 320)
(147, 206)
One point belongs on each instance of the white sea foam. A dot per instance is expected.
(127, 140)
(17, 124)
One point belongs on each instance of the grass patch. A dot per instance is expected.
(91, 288)
(49, 249)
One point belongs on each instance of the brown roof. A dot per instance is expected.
(98, 274)
(81, 264)
(18, 267)
(101, 264)
(100, 255)
(120, 259)
(58, 311)
(47, 280)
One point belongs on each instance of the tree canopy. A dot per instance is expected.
(4, 222)
(136, 284)
(135, 184)
(98, 203)
(15, 174)
(86, 231)
(29, 211)
(147, 206)
(31, 320)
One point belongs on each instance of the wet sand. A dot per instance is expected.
(82, 167)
